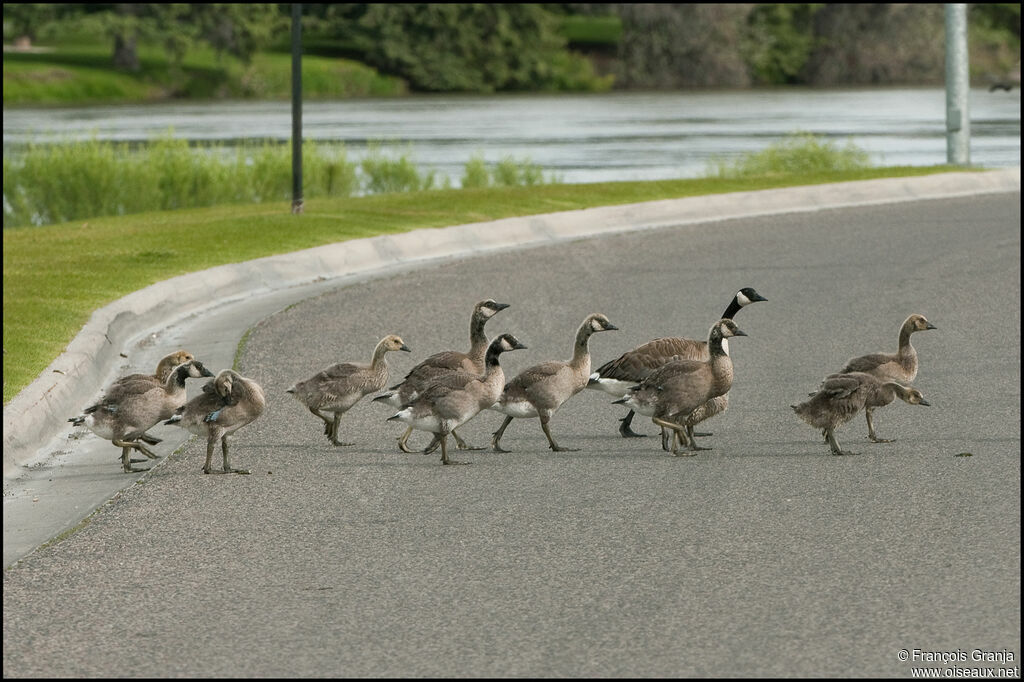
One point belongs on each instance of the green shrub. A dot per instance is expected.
(800, 153)
(476, 174)
(385, 174)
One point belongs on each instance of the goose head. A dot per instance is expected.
(918, 323)
(488, 309)
(599, 323)
(393, 342)
(746, 296)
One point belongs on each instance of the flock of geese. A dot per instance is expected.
(677, 382)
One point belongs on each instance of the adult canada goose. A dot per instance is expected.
(900, 366)
(136, 406)
(843, 395)
(676, 395)
(458, 396)
(426, 372)
(540, 390)
(618, 376)
(226, 404)
(163, 368)
(340, 386)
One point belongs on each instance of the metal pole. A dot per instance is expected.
(958, 120)
(296, 108)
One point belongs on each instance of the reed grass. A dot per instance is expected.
(799, 152)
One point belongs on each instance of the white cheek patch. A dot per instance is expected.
(725, 345)
(742, 299)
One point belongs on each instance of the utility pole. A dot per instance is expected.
(958, 120)
(296, 108)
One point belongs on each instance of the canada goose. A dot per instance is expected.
(163, 368)
(339, 387)
(676, 395)
(618, 376)
(136, 406)
(843, 395)
(226, 404)
(458, 397)
(900, 366)
(437, 364)
(540, 390)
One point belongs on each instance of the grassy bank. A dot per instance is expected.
(55, 276)
(81, 75)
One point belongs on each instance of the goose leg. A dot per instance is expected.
(433, 444)
(444, 451)
(126, 447)
(327, 422)
(871, 428)
(677, 437)
(547, 432)
(498, 434)
(228, 469)
(625, 429)
(463, 445)
(211, 443)
(402, 441)
(152, 440)
(334, 430)
(666, 442)
(834, 445)
(693, 442)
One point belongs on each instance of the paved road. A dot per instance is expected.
(763, 556)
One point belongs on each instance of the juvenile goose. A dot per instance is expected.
(163, 368)
(426, 372)
(340, 386)
(676, 395)
(900, 366)
(226, 404)
(124, 416)
(458, 396)
(618, 376)
(540, 390)
(843, 395)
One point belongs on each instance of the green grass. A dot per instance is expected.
(55, 276)
(82, 75)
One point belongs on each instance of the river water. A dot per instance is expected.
(578, 138)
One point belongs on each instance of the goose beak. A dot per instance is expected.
(206, 372)
(620, 401)
(739, 332)
(931, 326)
(501, 306)
(610, 327)
(755, 297)
(519, 346)
(925, 403)
(405, 348)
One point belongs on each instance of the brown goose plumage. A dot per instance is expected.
(900, 366)
(843, 395)
(620, 375)
(339, 387)
(540, 390)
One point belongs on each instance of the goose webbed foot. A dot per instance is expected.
(875, 439)
(338, 443)
(626, 429)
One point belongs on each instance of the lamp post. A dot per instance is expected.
(296, 108)
(958, 120)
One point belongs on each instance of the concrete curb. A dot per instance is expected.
(39, 412)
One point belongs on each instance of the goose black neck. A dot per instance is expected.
(180, 375)
(734, 307)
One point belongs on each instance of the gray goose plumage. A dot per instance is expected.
(226, 404)
(340, 386)
(618, 376)
(457, 397)
(843, 395)
(124, 415)
(900, 366)
(540, 390)
(428, 371)
(163, 368)
(681, 393)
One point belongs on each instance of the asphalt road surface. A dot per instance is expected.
(765, 556)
